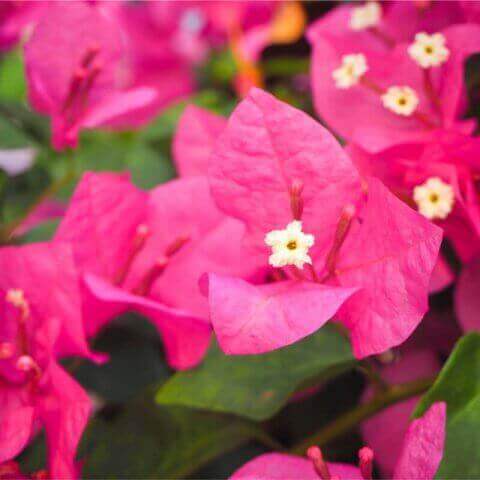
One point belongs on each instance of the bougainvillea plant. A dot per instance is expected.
(239, 239)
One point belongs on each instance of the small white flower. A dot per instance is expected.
(400, 100)
(366, 16)
(352, 69)
(429, 50)
(192, 20)
(434, 198)
(289, 246)
(16, 297)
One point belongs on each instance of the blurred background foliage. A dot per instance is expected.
(151, 422)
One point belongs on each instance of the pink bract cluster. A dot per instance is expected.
(273, 227)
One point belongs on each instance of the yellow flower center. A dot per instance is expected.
(292, 245)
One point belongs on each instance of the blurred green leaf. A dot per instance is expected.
(162, 129)
(257, 386)
(150, 442)
(459, 386)
(40, 233)
(148, 167)
(220, 68)
(135, 360)
(12, 79)
(20, 126)
(21, 191)
(286, 66)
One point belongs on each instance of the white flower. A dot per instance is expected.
(289, 246)
(16, 297)
(434, 198)
(352, 69)
(366, 16)
(400, 100)
(192, 20)
(429, 50)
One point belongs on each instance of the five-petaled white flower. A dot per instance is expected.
(400, 100)
(434, 198)
(289, 246)
(365, 16)
(352, 69)
(429, 50)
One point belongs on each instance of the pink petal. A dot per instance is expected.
(47, 275)
(248, 319)
(220, 251)
(254, 41)
(46, 210)
(400, 21)
(64, 412)
(384, 432)
(185, 337)
(172, 216)
(462, 41)
(196, 133)
(467, 298)
(345, 110)
(171, 82)
(16, 423)
(266, 146)
(52, 54)
(120, 106)
(423, 445)
(101, 221)
(390, 255)
(442, 276)
(276, 466)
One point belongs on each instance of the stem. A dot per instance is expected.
(367, 367)
(346, 422)
(420, 116)
(8, 230)
(389, 41)
(263, 437)
(430, 89)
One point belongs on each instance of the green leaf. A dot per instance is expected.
(257, 386)
(459, 386)
(161, 130)
(42, 232)
(150, 442)
(12, 78)
(135, 360)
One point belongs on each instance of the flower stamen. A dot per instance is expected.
(320, 465)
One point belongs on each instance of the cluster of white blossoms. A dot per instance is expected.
(289, 246)
(429, 50)
(434, 198)
(365, 16)
(352, 69)
(400, 100)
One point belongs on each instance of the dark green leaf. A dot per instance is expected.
(257, 386)
(459, 385)
(135, 360)
(150, 442)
